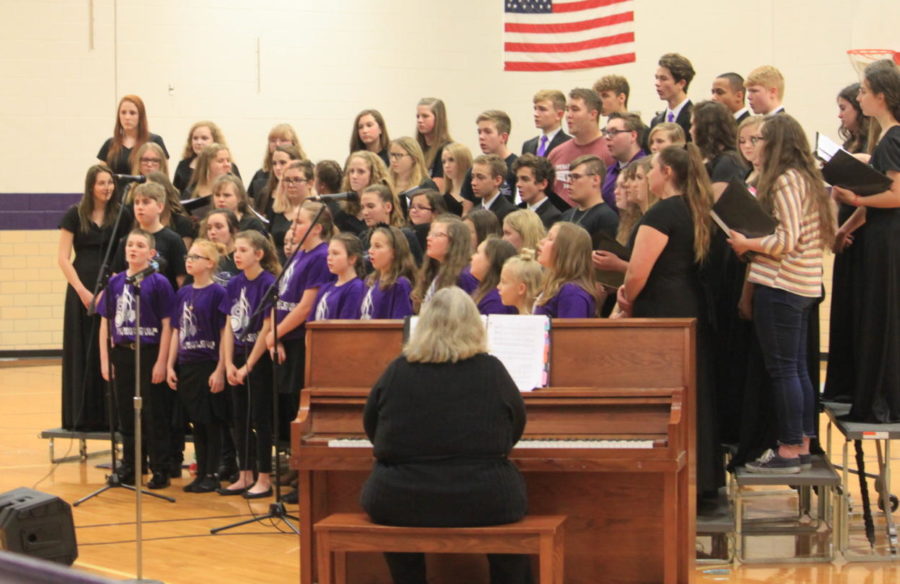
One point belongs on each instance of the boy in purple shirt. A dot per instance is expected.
(117, 306)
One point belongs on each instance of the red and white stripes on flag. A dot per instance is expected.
(556, 35)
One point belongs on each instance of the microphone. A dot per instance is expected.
(152, 268)
(348, 196)
(138, 178)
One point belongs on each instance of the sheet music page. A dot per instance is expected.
(522, 343)
(825, 147)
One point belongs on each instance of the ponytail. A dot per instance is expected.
(691, 178)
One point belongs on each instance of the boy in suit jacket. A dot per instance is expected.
(488, 174)
(673, 77)
(534, 175)
(728, 89)
(549, 108)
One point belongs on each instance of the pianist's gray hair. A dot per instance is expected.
(449, 329)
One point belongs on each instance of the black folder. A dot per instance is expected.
(845, 171)
(198, 203)
(739, 210)
(603, 242)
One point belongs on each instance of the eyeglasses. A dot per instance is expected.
(613, 133)
(397, 155)
(290, 180)
(194, 258)
(419, 208)
(149, 160)
(756, 140)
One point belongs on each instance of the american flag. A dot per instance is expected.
(555, 35)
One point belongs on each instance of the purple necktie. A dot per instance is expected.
(671, 117)
(542, 148)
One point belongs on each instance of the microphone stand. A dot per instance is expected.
(113, 480)
(277, 509)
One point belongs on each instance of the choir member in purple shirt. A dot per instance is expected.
(306, 272)
(487, 262)
(342, 298)
(195, 368)
(118, 304)
(448, 249)
(568, 289)
(247, 365)
(390, 284)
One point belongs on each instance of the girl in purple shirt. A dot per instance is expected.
(448, 249)
(567, 290)
(390, 284)
(247, 366)
(195, 368)
(342, 298)
(487, 261)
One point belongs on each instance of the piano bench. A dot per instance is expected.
(354, 532)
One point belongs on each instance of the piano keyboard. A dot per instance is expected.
(598, 444)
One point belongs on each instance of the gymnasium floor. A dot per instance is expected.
(178, 548)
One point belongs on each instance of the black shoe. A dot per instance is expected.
(159, 481)
(226, 492)
(126, 477)
(228, 473)
(191, 486)
(207, 484)
(262, 495)
(291, 498)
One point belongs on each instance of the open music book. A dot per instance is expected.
(842, 169)
(739, 210)
(521, 342)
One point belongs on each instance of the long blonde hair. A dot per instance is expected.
(571, 262)
(419, 171)
(449, 330)
(378, 174)
(528, 225)
(463, 157)
(527, 270)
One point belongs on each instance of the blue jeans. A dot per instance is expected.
(781, 320)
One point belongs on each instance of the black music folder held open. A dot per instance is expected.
(842, 169)
(603, 242)
(739, 210)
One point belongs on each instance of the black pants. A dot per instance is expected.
(290, 381)
(252, 408)
(156, 412)
(204, 411)
(504, 568)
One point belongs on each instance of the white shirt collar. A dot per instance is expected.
(537, 205)
(675, 112)
(740, 112)
(487, 203)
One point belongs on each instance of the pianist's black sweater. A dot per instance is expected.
(442, 433)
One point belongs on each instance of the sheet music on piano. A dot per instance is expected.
(521, 342)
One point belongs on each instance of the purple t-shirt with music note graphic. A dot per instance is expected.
(309, 270)
(392, 302)
(241, 301)
(198, 320)
(339, 302)
(119, 306)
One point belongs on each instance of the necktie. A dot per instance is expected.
(671, 117)
(542, 148)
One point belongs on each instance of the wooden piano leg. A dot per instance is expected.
(670, 528)
(340, 567)
(323, 558)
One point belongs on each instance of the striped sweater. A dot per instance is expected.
(792, 258)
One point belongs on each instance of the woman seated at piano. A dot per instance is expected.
(443, 418)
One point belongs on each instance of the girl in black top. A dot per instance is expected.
(370, 133)
(130, 133)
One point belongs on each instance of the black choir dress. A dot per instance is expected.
(673, 290)
(83, 392)
(876, 334)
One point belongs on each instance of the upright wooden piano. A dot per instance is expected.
(631, 509)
